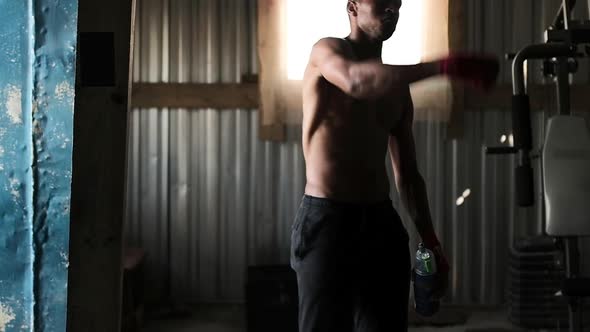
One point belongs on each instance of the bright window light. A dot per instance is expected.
(310, 20)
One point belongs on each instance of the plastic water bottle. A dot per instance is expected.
(424, 282)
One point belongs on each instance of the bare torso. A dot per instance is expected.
(345, 141)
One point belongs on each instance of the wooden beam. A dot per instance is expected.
(98, 178)
(541, 97)
(275, 132)
(195, 95)
(245, 95)
(456, 34)
(272, 57)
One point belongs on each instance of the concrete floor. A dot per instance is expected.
(231, 318)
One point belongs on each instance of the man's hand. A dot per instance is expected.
(442, 275)
(481, 71)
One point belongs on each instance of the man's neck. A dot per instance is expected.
(363, 48)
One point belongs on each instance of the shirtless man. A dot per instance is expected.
(349, 247)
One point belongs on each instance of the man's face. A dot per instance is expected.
(378, 18)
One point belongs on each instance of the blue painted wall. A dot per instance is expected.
(37, 73)
(16, 180)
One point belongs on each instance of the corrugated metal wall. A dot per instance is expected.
(206, 198)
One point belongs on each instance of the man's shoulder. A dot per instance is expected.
(323, 49)
(334, 44)
(331, 41)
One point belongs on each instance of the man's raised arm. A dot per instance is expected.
(363, 79)
(372, 79)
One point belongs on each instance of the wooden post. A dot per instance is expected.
(270, 47)
(456, 30)
(99, 162)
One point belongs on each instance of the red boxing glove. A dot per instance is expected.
(479, 70)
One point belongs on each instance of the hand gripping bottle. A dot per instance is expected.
(424, 282)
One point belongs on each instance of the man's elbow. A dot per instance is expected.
(359, 88)
(357, 82)
(354, 88)
(367, 80)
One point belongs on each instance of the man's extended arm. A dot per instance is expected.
(371, 79)
(364, 79)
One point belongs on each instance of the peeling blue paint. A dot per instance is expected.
(37, 79)
(53, 93)
(16, 253)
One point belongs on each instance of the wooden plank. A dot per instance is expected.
(272, 69)
(456, 34)
(245, 95)
(98, 177)
(293, 102)
(541, 97)
(499, 99)
(275, 132)
(195, 95)
(433, 99)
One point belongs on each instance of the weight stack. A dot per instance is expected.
(535, 275)
(271, 299)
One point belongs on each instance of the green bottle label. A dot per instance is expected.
(428, 265)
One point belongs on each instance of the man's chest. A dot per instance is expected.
(383, 113)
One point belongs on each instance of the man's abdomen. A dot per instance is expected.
(346, 182)
(345, 159)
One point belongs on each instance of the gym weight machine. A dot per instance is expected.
(565, 154)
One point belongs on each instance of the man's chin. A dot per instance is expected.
(387, 35)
